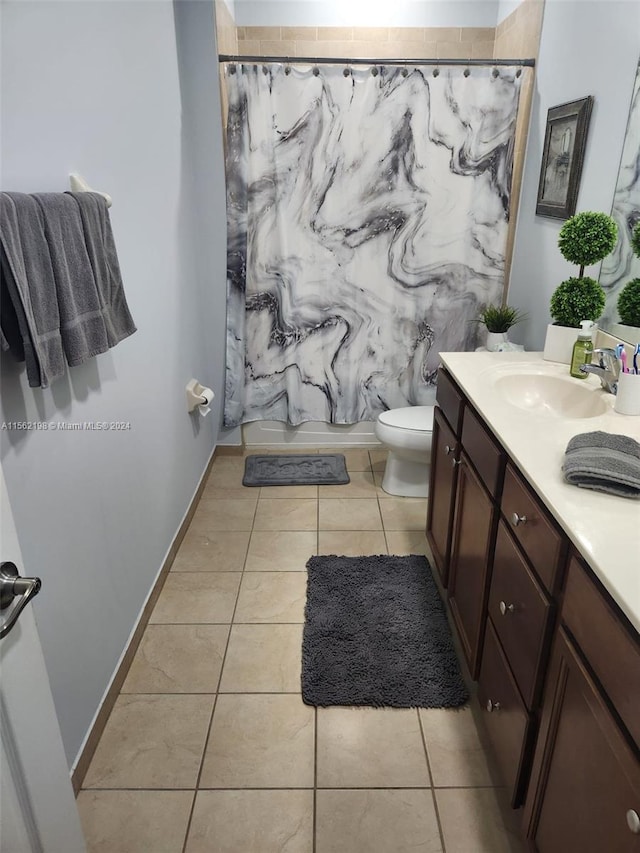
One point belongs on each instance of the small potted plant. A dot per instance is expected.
(584, 239)
(498, 320)
(629, 301)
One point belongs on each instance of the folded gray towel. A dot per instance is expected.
(82, 326)
(605, 462)
(103, 257)
(29, 277)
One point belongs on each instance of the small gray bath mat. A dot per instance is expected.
(376, 633)
(295, 470)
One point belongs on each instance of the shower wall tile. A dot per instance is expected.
(481, 49)
(406, 34)
(335, 33)
(448, 34)
(249, 47)
(278, 48)
(261, 33)
(454, 49)
(380, 33)
(367, 42)
(302, 33)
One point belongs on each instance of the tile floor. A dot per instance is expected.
(210, 749)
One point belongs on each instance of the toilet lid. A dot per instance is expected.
(418, 418)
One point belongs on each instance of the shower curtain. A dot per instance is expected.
(367, 213)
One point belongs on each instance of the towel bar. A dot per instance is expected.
(79, 185)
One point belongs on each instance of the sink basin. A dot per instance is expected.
(555, 396)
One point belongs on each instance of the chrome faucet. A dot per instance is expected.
(607, 368)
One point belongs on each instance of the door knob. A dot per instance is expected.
(518, 519)
(448, 449)
(506, 608)
(492, 706)
(17, 591)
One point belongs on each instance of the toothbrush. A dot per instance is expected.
(623, 360)
(636, 361)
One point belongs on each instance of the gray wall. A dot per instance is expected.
(586, 48)
(108, 89)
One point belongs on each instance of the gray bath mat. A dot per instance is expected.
(295, 470)
(376, 634)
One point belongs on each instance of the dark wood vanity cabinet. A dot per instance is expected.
(557, 664)
(444, 458)
(584, 793)
(445, 454)
(472, 542)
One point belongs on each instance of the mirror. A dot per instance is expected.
(622, 265)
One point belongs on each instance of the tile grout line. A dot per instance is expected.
(315, 778)
(432, 780)
(215, 701)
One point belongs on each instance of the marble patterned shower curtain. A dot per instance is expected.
(367, 223)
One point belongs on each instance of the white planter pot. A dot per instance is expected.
(494, 339)
(558, 344)
(630, 334)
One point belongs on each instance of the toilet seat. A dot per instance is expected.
(414, 418)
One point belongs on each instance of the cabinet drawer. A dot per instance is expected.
(486, 456)
(505, 716)
(538, 536)
(613, 654)
(450, 400)
(521, 615)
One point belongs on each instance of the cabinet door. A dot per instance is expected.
(471, 553)
(441, 493)
(585, 790)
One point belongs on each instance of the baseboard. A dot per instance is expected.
(97, 728)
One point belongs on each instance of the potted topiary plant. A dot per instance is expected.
(629, 301)
(584, 239)
(498, 320)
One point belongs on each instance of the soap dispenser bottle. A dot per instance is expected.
(582, 349)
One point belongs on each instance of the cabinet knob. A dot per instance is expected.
(506, 608)
(448, 449)
(492, 706)
(456, 462)
(518, 519)
(633, 821)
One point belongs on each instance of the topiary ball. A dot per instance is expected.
(629, 303)
(587, 238)
(635, 239)
(577, 299)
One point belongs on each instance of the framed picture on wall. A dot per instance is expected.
(564, 144)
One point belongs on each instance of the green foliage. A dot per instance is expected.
(629, 300)
(635, 239)
(587, 238)
(577, 299)
(500, 319)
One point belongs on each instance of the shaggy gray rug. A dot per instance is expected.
(327, 469)
(376, 634)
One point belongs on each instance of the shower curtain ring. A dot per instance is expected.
(519, 71)
(347, 71)
(467, 70)
(405, 71)
(287, 67)
(436, 71)
(495, 73)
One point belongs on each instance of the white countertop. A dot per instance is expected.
(604, 528)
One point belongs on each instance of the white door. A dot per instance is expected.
(38, 812)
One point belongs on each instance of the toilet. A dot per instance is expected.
(407, 434)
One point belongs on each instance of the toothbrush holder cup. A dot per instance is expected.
(628, 394)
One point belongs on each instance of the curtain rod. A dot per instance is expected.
(320, 60)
